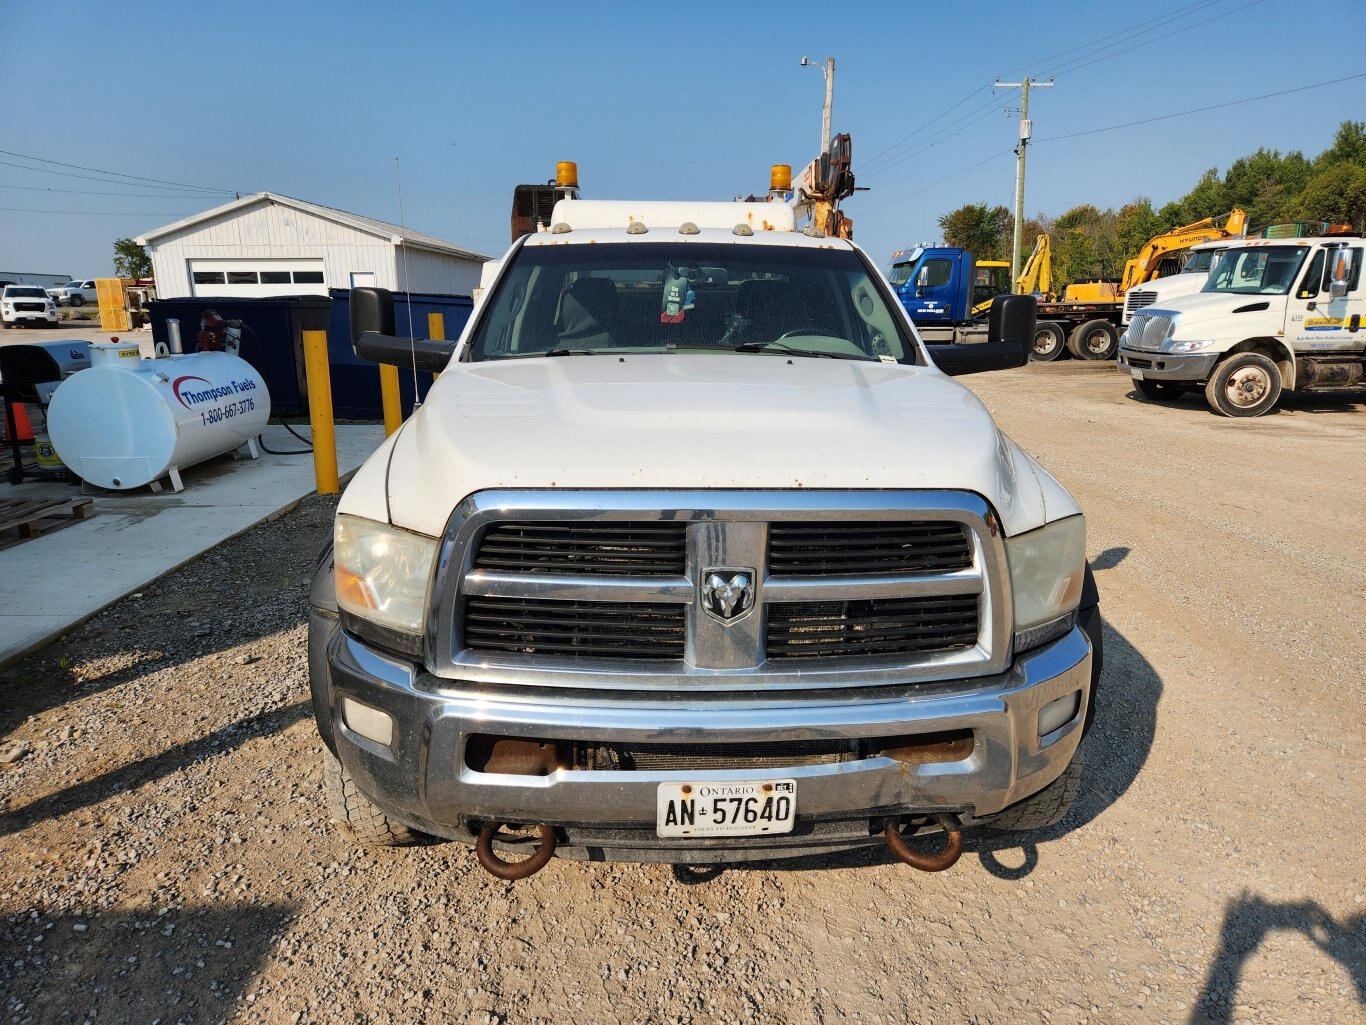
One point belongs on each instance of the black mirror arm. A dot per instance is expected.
(425, 354)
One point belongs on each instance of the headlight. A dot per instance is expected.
(1189, 346)
(382, 576)
(1047, 567)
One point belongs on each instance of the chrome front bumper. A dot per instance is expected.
(421, 777)
(1163, 366)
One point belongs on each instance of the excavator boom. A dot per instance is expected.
(1037, 273)
(1144, 266)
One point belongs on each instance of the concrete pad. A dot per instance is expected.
(57, 581)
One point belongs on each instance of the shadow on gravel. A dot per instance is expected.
(1247, 921)
(188, 964)
(1289, 402)
(135, 774)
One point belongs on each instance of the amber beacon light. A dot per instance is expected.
(780, 178)
(567, 174)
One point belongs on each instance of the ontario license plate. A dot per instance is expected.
(730, 808)
(1138, 374)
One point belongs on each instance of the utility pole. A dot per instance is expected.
(1026, 130)
(828, 70)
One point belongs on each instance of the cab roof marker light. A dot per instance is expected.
(742, 229)
(636, 228)
(560, 228)
(688, 228)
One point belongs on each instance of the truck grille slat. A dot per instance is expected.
(585, 629)
(623, 549)
(886, 626)
(836, 549)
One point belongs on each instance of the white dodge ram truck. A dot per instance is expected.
(696, 553)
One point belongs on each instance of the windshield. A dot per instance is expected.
(640, 297)
(901, 273)
(1200, 263)
(72, 284)
(18, 292)
(1258, 271)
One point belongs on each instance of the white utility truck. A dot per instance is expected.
(1188, 280)
(1273, 314)
(696, 553)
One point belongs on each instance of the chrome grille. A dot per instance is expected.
(889, 626)
(611, 590)
(547, 546)
(1138, 298)
(586, 629)
(1147, 331)
(866, 549)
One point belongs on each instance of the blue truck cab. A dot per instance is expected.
(943, 284)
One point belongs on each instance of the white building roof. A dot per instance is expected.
(394, 233)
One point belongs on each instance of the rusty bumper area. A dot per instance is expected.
(465, 759)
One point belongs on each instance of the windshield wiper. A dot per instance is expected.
(791, 350)
(553, 352)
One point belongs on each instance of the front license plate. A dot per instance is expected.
(732, 808)
(1138, 374)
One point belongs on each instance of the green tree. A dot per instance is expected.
(978, 228)
(131, 260)
(1135, 224)
(1263, 184)
(1349, 147)
(1337, 195)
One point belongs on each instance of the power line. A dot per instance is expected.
(878, 156)
(83, 192)
(1201, 110)
(117, 174)
(84, 213)
(940, 181)
(1138, 29)
(87, 177)
(946, 132)
(1065, 69)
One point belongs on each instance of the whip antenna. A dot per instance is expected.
(407, 284)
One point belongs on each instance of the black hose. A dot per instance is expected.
(288, 451)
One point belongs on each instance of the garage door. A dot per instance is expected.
(256, 278)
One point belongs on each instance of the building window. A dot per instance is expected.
(241, 277)
(308, 277)
(208, 277)
(275, 277)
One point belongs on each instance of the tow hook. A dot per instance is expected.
(513, 870)
(928, 862)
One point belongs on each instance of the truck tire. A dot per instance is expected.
(1047, 807)
(1246, 384)
(1096, 340)
(77, 300)
(1050, 342)
(1161, 391)
(352, 810)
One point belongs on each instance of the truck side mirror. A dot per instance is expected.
(373, 338)
(922, 280)
(1337, 287)
(1010, 334)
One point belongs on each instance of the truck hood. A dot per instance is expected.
(696, 421)
(1201, 306)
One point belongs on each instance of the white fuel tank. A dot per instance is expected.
(128, 421)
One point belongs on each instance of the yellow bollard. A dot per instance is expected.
(436, 329)
(320, 412)
(389, 398)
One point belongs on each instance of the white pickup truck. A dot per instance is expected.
(1273, 314)
(694, 554)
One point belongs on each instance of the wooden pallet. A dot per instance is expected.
(27, 515)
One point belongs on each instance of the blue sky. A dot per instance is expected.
(664, 101)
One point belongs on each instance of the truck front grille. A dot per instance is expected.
(584, 629)
(677, 592)
(889, 626)
(866, 549)
(1147, 331)
(547, 546)
(1137, 298)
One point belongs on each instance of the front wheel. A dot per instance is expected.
(77, 300)
(1248, 384)
(352, 810)
(1047, 807)
(1095, 340)
(1049, 343)
(1161, 391)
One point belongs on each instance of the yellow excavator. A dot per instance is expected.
(1086, 322)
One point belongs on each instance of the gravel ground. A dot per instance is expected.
(165, 856)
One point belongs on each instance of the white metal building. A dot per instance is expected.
(266, 244)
